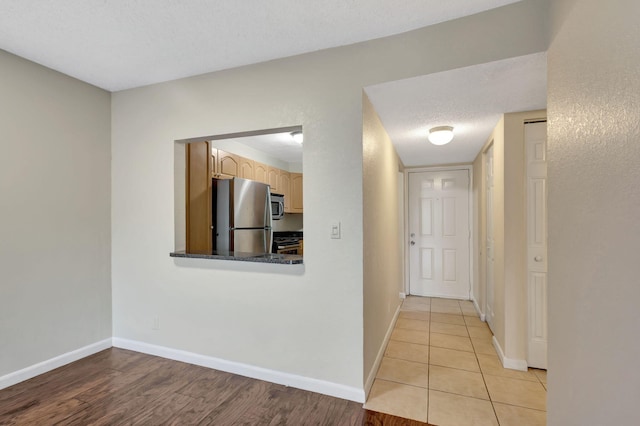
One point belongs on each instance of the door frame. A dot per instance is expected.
(472, 229)
(484, 259)
(529, 296)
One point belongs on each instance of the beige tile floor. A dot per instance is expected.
(440, 367)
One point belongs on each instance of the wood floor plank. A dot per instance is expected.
(374, 418)
(192, 413)
(44, 413)
(111, 388)
(232, 411)
(162, 409)
(31, 401)
(277, 408)
(208, 392)
(119, 387)
(140, 394)
(66, 375)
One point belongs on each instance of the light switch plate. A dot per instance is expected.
(335, 230)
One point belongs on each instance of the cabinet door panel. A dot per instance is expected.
(273, 175)
(285, 188)
(228, 164)
(260, 172)
(246, 168)
(296, 193)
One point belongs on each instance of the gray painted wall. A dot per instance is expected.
(55, 232)
(594, 206)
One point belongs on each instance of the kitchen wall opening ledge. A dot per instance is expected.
(282, 259)
(238, 198)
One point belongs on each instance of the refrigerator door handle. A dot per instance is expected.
(269, 240)
(268, 221)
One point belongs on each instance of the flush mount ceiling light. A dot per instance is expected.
(441, 135)
(297, 136)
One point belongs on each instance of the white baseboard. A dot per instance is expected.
(53, 363)
(403, 295)
(511, 363)
(300, 382)
(376, 364)
(478, 310)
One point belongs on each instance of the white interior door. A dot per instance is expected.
(535, 136)
(490, 241)
(439, 234)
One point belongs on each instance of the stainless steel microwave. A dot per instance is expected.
(277, 206)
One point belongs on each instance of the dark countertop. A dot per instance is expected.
(284, 259)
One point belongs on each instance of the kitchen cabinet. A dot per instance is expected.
(198, 197)
(225, 165)
(246, 168)
(273, 176)
(228, 164)
(284, 185)
(232, 165)
(260, 172)
(296, 193)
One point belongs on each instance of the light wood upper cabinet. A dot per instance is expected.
(246, 168)
(284, 185)
(225, 165)
(228, 164)
(260, 172)
(273, 176)
(296, 193)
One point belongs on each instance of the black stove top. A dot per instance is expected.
(285, 239)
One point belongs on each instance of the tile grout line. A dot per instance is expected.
(400, 383)
(521, 406)
(404, 359)
(476, 355)
(493, 407)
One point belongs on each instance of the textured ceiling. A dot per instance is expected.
(470, 99)
(120, 44)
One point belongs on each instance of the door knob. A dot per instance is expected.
(538, 258)
(413, 243)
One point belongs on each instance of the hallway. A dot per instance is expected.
(440, 366)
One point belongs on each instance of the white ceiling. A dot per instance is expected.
(120, 44)
(470, 99)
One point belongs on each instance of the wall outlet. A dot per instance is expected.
(156, 323)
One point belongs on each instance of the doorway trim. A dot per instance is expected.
(484, 258)
(472, 230)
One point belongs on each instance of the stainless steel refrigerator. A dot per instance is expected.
(241, 216)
